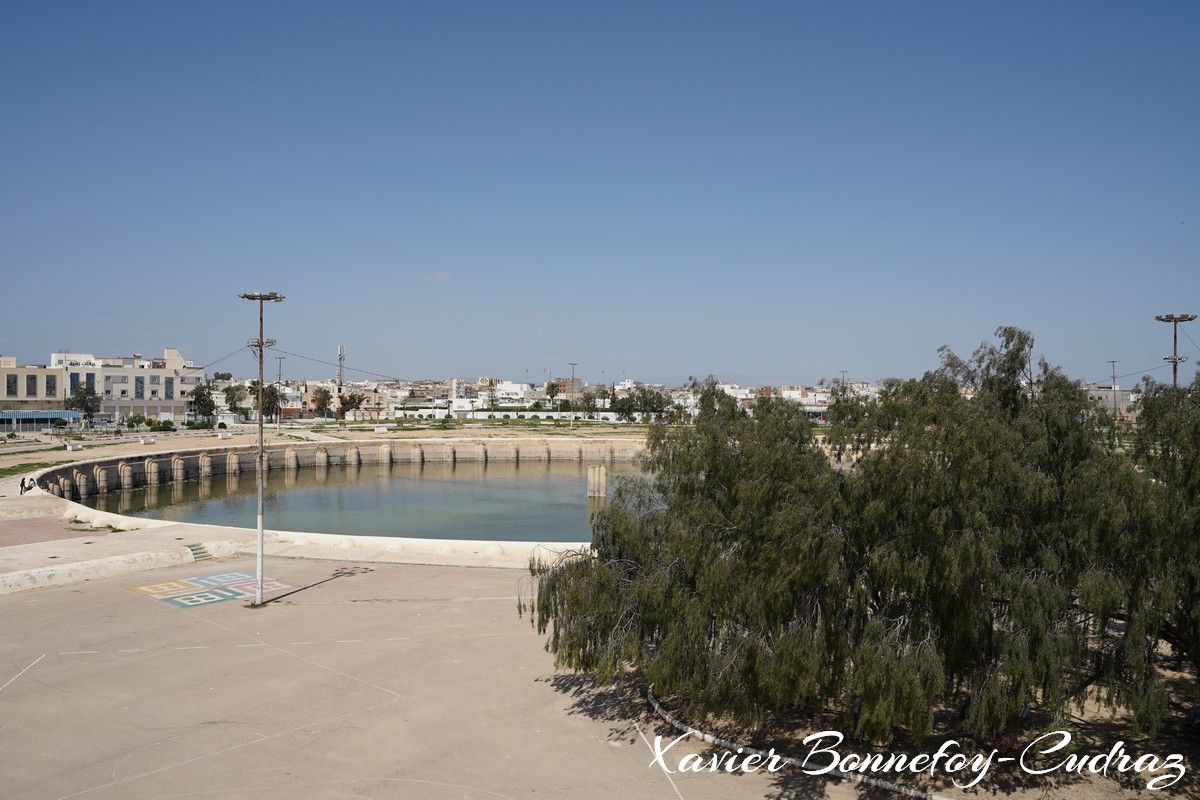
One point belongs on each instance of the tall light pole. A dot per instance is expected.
(1175, 358)
(574, 364)
(259, 344)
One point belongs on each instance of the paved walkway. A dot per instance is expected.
(357, 682)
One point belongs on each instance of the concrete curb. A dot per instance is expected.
(61, 574)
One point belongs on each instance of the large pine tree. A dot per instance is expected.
(989, 538)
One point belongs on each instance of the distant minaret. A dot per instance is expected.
(341, 365)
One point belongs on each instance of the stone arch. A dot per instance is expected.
(385, 454)
(353, 457)
(233, 463)
(151, 467)
(291, 459)
(321, 457)
(206, 465)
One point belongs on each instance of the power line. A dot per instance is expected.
(1142, 371)
(335, 364)
(1190, 339)
(214, 363)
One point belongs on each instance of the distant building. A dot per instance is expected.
(156, 388)
(1106, 395)
(30, 386)
(31, 396)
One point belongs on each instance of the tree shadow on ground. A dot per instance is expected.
(622, 706)
(630, 717)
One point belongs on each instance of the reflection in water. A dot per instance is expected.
(540, 501)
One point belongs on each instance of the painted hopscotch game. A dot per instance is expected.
(218, 588)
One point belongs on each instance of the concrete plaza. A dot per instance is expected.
(359, 681)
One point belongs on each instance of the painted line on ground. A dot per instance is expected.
(22, 672)
(660, 764)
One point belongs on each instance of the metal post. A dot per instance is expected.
(1114, 387)
(574, 364)
(258, 584)
(260, 344)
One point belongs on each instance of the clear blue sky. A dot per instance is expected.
(770, 192)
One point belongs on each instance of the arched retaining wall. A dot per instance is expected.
(84, 478)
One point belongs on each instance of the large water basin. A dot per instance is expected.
(505, 501)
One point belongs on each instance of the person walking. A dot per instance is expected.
(22, 486)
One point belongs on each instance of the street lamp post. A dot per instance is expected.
(260, 344)
(574, 364)
(1175, 358)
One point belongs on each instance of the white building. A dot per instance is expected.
(156, 388)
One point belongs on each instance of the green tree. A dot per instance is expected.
(587, 404)
(491, 394)
(351, 401)
(322, 401)
(552, 392)
(85, 400)
(222, 376)
(625, 408)
(650, 402)
(234, 395)
(202, 401)
(1167, 446)
(270, 399)
(986, 539)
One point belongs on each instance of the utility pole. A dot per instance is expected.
(259, 345)
(1175, 358)
(574, 364)
(279, 393)
(1114, 387)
